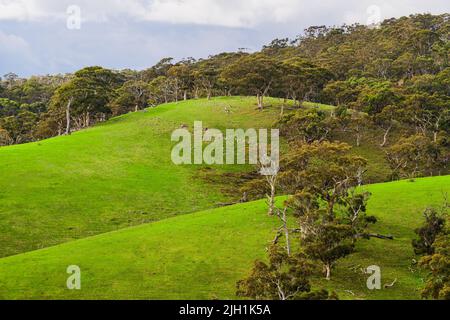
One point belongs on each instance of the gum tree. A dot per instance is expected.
(255, 74)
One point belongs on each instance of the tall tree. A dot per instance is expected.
(302, 80)
(253, 74)
(183, 77)
(132, 95)
(282, 278)
(86, 96)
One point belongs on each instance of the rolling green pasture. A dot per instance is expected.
(202, 255)
(114, 175)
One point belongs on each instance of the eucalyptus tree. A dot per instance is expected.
(302, 80)
(132, 95)
(183, 77)
(85, 96)
(254, 74)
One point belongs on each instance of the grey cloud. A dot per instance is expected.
(137, 33)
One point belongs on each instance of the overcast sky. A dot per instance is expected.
(46, 36)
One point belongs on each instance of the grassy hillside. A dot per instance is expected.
(201, 255)
(113, 175)
(119, 174)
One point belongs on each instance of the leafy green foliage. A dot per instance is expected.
(308, 125)
(415, 156)
(437, 285)
(256, 74)
(144, 261)
(434, 246)
(283, 278)
(433, 226)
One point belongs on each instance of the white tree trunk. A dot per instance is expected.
(69, 104)
(260, 99)
(271, 197)
(385, 136)
(286, 232)
(328, 271)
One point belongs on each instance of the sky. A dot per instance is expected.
(40, 37)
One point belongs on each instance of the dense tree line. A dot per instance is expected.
(396, 82)
(433, 247)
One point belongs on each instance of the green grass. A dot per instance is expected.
(114, 175)
(202, 255)
(101, 183)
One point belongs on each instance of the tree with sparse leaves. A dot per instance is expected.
(133, 95)
(326, 169)
(282, 278)
(183, 78)
(433, 226)
(437, 284)
(433, 244)
(331, 215)
(308, 125)
(302, 80)
(415, 156)
(19, 128)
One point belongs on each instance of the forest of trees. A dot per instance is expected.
(394, 77)
(363, 72)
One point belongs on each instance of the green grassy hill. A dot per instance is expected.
(88, 192)
(202, 255)
(114, 175)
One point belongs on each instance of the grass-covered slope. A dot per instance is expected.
(111, 176)
(202, 255)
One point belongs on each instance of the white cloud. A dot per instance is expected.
(12, 43)
(22, 10)
(13, 49)
(228, 13)
(231, 13)
(34, 38)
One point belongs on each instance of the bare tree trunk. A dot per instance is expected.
(136, 108)
(196, 93)
(69, 104)
(88, 119)
(286, 232)
(185, 95)
(359, 176)
(79, 122)
(271, 197)
(294, 98)
(386, 133)
(260, 100)
(328, 271)
(272, 183)
(284, 229)
(281, 294)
